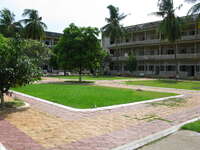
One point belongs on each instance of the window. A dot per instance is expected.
(116, 67)
(126, 68)
(183, 51)
(183, 33)
(170, 51)
(141, 68)
(112, 52)
(141, 52)
(151, 68)
(198, 68)
(171, 68)
(162, 68)
(192, 32)
(183, 68)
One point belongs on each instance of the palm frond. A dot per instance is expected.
(194, 10)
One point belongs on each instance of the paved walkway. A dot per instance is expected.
(47, 127)
(182, 140)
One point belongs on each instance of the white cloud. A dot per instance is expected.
(57, 14)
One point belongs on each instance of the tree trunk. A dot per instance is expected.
(65, 73)
(2, 99)
(80, 74)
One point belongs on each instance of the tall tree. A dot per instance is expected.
(113, 29)
(8, 26)
(171, 25)
(79, 49)
(34, 27)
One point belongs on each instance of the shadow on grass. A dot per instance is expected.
(71, 82)
(79, 83)
(169, 81)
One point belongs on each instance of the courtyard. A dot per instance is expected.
(48, 127)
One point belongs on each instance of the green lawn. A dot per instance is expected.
(195, 126)
(94, 77)
(189, 85)
(87, 96)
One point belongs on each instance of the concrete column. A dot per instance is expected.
(145, 35)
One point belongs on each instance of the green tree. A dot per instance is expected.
(34, 27)
(16, 68)
(38, 52)
(8, 26)
(79, 49)
(132, 63)
(171, 25)
(113, 29)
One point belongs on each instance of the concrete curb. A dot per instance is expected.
(24, 107)
(2, 147)
(92, 109)
(139, 143)
(180, 90)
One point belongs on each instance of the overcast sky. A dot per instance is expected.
(58, 14)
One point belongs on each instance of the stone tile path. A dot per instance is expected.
(182, 140)
(47, 127)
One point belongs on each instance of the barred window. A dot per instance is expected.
(162, 68)
(183, 68)
(171, 68)
(141, 68)
(151, 68)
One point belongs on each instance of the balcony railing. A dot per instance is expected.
(135, 43)
(159, 57)
(120, 58)
(153, 41)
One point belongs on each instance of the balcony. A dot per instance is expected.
(188, 56)
(153, 57)
(168, 57)
(120, 58)
(154, 41)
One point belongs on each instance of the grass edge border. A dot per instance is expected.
(91, 109)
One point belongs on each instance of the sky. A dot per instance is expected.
(58, 14)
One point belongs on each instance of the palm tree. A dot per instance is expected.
(194, 9)
(8, 26)
(34, 27)
(171, 25)
(113, 29)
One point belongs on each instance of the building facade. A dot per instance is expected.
(156, 57)
(51, 38)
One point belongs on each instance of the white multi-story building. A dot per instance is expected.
(156, 57)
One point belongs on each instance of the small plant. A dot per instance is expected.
(173, 102)
(152, 117)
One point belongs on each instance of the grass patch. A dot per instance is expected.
(87, 96)
(188, 85)
(194, 126)
(94, 77)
